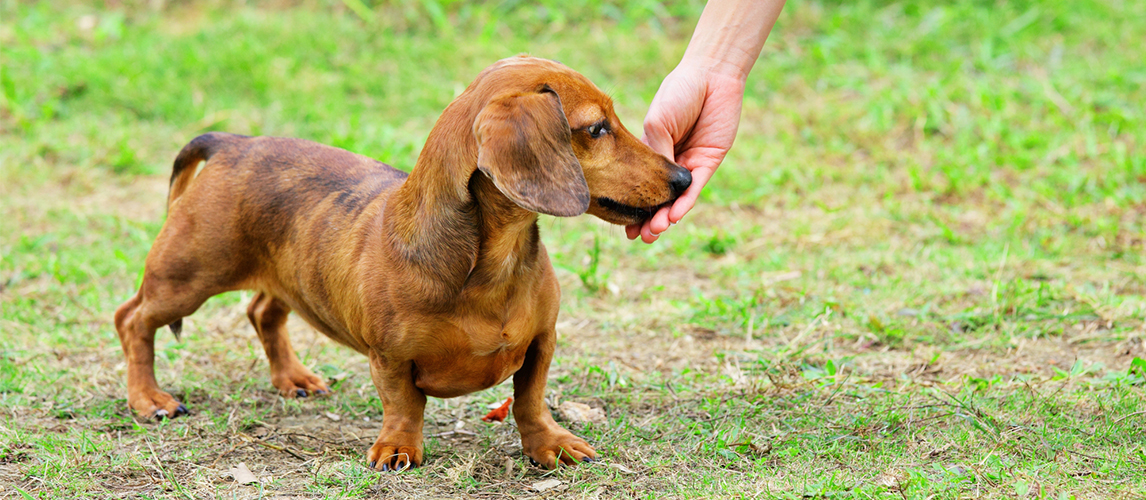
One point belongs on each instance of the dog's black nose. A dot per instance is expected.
(679, 180)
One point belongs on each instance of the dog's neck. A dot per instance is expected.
(508, 240)
(452, 223)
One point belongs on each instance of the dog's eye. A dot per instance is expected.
(597, 130)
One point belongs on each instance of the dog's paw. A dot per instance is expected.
(156, 404)
(389, 456)
(299, 382)
(556, 445)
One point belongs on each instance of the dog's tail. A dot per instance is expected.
(200, 149)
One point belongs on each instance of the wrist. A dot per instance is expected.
(714, 63)
(713, 70)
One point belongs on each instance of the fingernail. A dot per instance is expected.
(301, 393)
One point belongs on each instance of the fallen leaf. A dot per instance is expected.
(508, 467)
(333, 416)
(891, 480)
(772, 278)
(581, 413)
(86, 23)
(498, 414)
(622, 468)
(547, 484)
(243, 475)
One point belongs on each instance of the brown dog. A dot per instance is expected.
(440, 277)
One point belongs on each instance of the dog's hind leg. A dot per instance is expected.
(269, 315)
(155, 305)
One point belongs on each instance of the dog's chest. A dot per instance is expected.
(471, 355)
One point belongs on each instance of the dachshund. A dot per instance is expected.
(439, 276)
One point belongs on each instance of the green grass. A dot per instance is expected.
(920, 272)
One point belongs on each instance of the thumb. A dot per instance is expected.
(658, 137)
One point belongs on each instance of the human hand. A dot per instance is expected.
(692, 120)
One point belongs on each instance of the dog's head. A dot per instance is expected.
(552, 144)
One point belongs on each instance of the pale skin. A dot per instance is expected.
(694, 116)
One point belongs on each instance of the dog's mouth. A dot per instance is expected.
(635, 214)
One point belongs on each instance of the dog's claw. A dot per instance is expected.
(182, 410)
(161, 414)
(300, 393)
(372, 464)
(587, 459)
(320, 392)
(385, 467)
(533, 462)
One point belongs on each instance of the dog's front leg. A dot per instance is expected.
(541, 438)
(399, 444)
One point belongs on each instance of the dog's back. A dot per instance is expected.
(285, 202)
(264, 172)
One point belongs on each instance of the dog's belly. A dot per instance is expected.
(457, 373)
(341, 336)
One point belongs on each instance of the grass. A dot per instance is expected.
(919, 273)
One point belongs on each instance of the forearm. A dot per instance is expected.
(730, 34)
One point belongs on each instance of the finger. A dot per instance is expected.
(633, 231)
(684, 204)
(659, 222)
(647, 235)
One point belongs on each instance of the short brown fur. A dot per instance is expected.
(439, 277)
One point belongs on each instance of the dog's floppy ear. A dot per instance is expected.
(524, 145)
